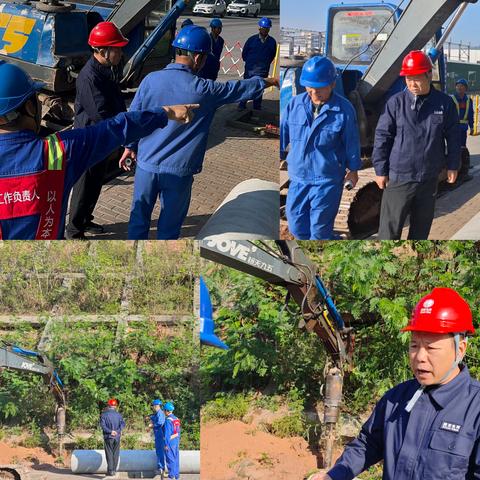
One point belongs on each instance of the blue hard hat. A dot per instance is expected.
(462, 81)
(169, 407)
(186, 22)
(16, 87)
(318, 72)
(157, 402)
(216, 23)
(265, 22)
(193, 39)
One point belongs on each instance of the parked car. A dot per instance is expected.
(244, 8)
(210, 7)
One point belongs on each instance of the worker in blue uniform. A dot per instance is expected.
(186, 22)
(157, 422)
(258, 53)
(166, 163)
(98, 97)
(464, 106)
(172, 441)
(409, 150)
(37, 174)
(320, 127)
(427, 427)
(212, 64)
(112, 424)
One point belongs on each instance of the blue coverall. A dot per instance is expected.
(158, 420)
(320, 151)
(438, 440)
(110, 421)
(22, 153)
(465, 121)
(172, 446)
(258, 54)
(212, 65)
(167, 160)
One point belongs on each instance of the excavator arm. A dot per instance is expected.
(291, 268)
(16, 358)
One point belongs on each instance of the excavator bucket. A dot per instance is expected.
(207, 325)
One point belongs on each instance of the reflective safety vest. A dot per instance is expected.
(176, 427)
(39, 193)
(467, 107)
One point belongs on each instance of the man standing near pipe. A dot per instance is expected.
(428, 427)
(112, 424)
(157, 422)
(172, 442)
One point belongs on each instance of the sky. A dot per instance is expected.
(312, 14)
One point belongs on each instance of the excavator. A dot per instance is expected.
(15, 358)
(367, 43)
(289, 267)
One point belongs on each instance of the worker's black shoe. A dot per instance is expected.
(92, 227)
(75, 236)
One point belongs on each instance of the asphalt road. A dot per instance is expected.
(236, 29)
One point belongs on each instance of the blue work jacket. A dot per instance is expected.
(158, 420)
(212, 64)
(110, 421)
(172, 431)
(322, 148)
(179, 149)
(414, 144)
(438, 440)
(98, 95)
(22, 154)
(258, 55)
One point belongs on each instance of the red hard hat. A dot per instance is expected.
(442, 311)
(113, 402)
(415, 63)
(106, 34)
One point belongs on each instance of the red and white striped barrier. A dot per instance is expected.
(232, 59)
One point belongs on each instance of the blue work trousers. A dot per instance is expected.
(172, 458)
(160, 449)
(174, 193)
(311, 209)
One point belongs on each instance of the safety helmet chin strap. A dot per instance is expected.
(418, 393)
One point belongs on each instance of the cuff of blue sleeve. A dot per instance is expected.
(340, 472)
(283, 155)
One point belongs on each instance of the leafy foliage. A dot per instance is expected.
(377, 283)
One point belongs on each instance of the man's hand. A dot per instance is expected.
(352, 177)
(128, 157)
(114, 433)
(382, 182)
(452, 176)
(272, 82)
(320, 476)
(181, 113)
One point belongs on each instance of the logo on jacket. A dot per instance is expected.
(451, 427)
(427, 306)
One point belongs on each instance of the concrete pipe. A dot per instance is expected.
(93, 461)
(250, 211)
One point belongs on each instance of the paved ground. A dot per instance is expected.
(456, 209)
(233, 155)
(52, 473)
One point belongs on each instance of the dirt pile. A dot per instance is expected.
(235, 450)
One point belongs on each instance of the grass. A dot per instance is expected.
(226, 407)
